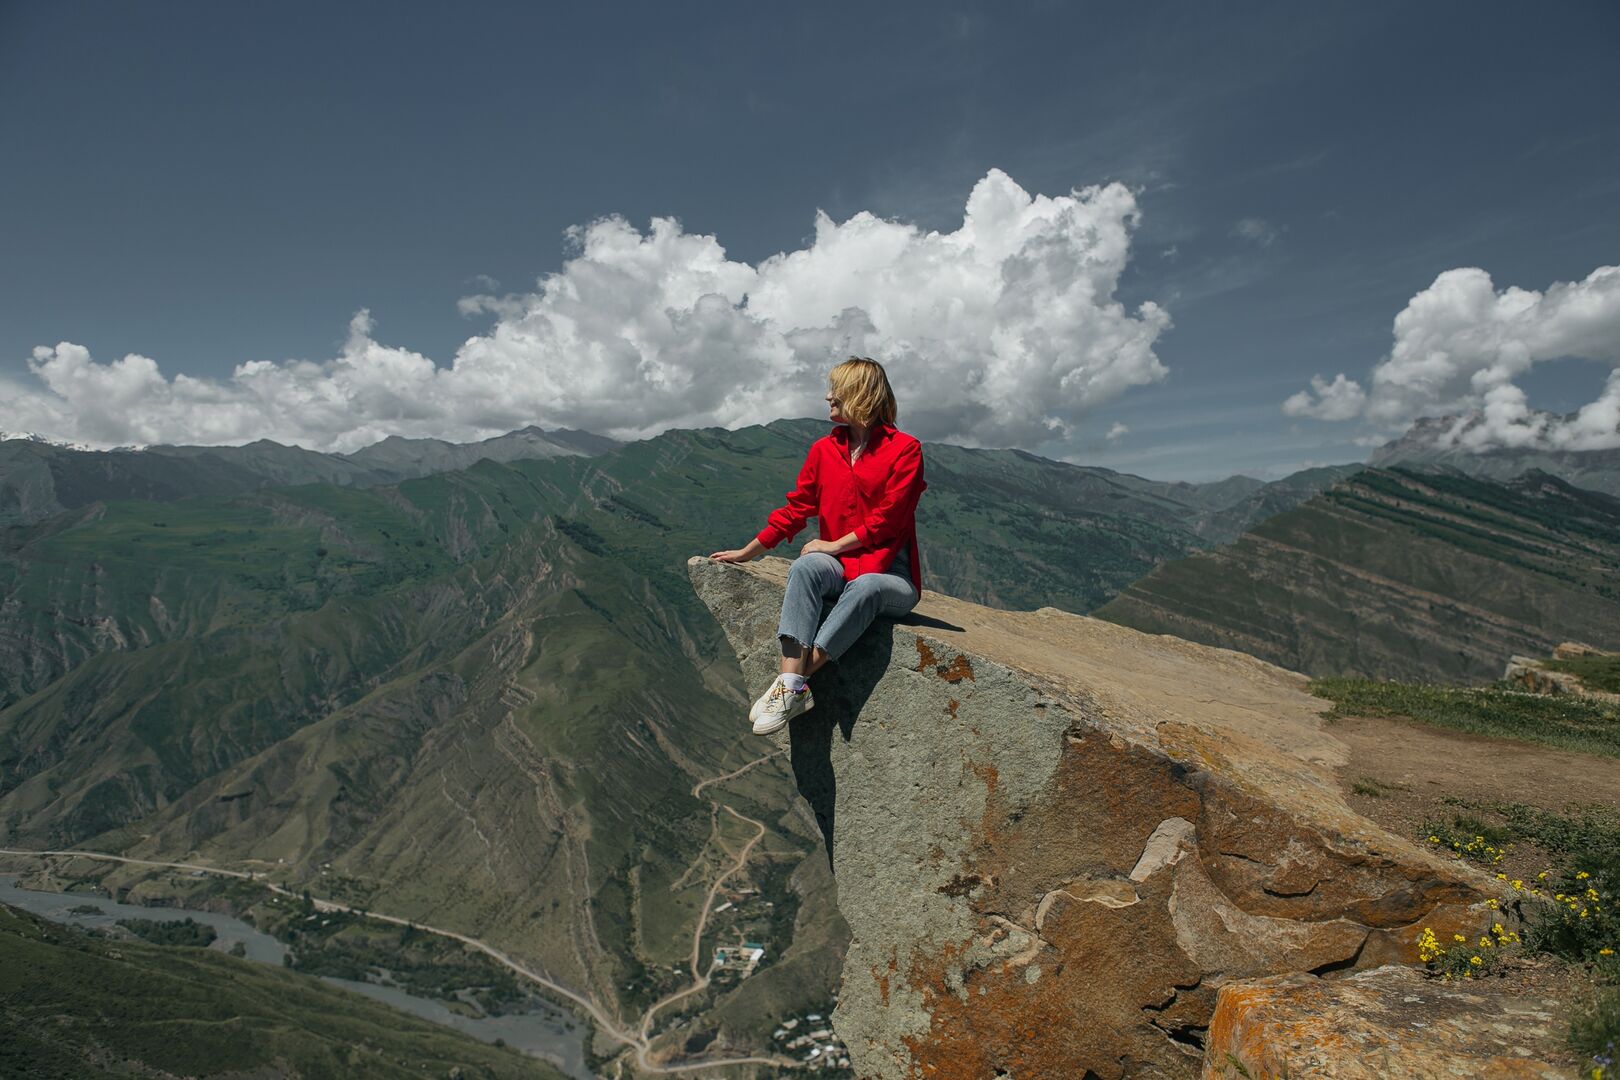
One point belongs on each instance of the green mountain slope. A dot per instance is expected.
(481, 699)
(1394, 574)
(40, 479)
(73, 1006)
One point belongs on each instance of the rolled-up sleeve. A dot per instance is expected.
(894, 515)
(784, 522)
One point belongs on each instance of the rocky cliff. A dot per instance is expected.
(1055, 838)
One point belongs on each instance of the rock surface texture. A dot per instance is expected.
(1378, 1024)
(1055, 838)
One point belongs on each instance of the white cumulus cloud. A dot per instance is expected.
(1461, 344)
(1005, 331)
(1340, 399)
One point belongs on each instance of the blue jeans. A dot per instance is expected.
(818, 577)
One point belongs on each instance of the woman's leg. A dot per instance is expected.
(863, 600)
(811, 580)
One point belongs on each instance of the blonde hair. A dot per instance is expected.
(862, 389)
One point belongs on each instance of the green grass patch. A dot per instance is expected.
(70, 1002)
(1568, 724)
(187, 932)
(1571, 908)
(1595, 1030)
(1470, 837)
(1374, 789)
(1595, 672)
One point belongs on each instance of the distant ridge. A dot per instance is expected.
(40, 477)
(1425, 445)
(420, 457)
(1396, 574)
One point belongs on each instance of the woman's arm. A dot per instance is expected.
(785, 521)
(832, 547)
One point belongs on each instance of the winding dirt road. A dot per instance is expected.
(639, 1039)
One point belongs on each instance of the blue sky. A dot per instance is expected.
(208, 184)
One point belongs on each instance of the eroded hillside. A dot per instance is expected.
(1392, 574)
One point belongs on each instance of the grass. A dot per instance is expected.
(1566, 723)
(1568, 908)
(1595, 672)
(1374, 789)
(187, 932)
(1595, 1031)
(71, 1002)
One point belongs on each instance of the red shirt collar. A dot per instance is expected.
(841, 431)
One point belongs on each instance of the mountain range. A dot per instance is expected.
(39, 478)
(1392, 573)
(481, 694)
(482, 697)
(1431, 443)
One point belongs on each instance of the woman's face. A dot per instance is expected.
(835, 409)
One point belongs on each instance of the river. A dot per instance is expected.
(549, 1033)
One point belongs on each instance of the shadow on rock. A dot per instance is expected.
(841, 690)
(913, 619)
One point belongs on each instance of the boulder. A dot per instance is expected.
(1056, 838)
(1372, 1025)
(1572, 650)
(1527, 673)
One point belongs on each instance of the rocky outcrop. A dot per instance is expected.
(1534, 675)
(1055, 838)
(1379, 1024)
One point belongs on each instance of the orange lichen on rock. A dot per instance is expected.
(952, 671)
(1387, 1022)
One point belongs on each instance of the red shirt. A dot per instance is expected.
(875, 498)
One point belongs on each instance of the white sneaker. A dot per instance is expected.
(779, 705)
(759, 702)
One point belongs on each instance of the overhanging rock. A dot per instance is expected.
(1056, 838)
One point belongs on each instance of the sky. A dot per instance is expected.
(1125, 235)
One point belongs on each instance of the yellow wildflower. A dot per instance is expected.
(1475, 961)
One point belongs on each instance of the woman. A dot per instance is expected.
(862, 483)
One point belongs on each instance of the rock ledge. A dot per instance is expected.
(1055, 838)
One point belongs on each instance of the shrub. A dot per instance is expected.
(1463, 957)
(1575, 917)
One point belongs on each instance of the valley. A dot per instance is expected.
(479, 717)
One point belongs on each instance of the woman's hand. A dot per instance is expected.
(813, 546)
(752, 550)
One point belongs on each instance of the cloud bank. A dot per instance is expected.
(1460, 345)
(1003, 332)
